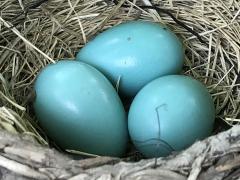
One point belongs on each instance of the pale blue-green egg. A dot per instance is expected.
(169, 114)
(134, 53)
(80, 110)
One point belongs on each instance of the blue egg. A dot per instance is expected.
(80, 110)
(134, 53)
(169, 114)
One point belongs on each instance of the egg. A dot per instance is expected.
(134, 53)
(169, 114)
(79, 109)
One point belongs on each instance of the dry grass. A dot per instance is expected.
(59, 28)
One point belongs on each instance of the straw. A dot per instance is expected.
(57, 29)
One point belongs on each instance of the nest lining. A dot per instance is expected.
(57, 29)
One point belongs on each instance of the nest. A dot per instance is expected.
(36, 33)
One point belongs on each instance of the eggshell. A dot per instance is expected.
(134, 53)
(169, 114)
(80, 110)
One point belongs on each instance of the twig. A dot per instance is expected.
(197, 166)
(21, 169)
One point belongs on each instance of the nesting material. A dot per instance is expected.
(57, 29)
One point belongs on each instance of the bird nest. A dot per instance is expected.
(36, 33)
